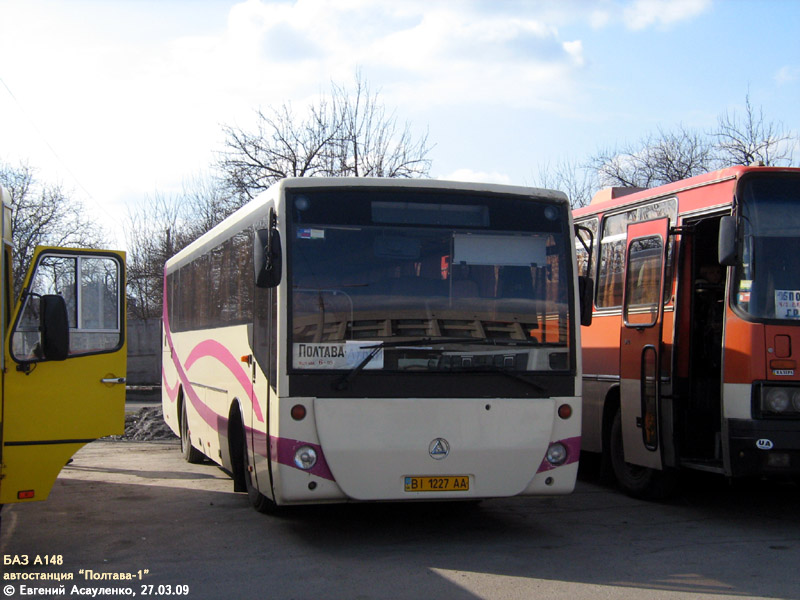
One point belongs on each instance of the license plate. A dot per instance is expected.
(448, 483)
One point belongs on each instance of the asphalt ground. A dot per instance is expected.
(133, 516)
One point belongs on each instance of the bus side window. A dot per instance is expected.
(611, 261)
(643, 281)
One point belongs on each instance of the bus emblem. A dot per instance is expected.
(439, 448)
(764, 444)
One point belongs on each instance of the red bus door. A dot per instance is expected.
(640, 342)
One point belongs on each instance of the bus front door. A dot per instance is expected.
(640, 342)
(64, 367)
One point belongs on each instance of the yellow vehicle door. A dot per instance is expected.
(65, 366)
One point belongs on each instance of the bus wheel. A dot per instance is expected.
(637, 481)
(190, 453)
(257, 500)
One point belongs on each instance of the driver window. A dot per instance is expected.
(90, 286)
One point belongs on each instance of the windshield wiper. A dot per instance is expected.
(343, 382)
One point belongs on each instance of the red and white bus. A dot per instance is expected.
(691, 360)
(379, 339)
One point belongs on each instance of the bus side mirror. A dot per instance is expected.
(54, 327)
(267, 257)
(727, 241)
(585, 294)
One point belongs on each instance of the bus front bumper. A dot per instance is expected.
(764, 447)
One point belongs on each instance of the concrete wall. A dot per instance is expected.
(144, 352)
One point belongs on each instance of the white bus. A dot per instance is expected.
(357, 339)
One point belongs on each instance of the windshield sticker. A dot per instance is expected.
(745, 285)
(340, 355)
(787, 304)
(310, 234)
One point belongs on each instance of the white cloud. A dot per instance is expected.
(575, 50)
(787, 74)
(599, 19)
(643, 13)
(448, 53)
(132, 98)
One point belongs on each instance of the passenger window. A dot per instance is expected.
(643, 281)
(612, 261)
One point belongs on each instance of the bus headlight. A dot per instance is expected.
(556, 454)
(305, 457)
(796, 400)
(779, 401)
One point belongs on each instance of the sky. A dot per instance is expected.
(118, 100)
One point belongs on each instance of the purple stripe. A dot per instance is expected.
(573, 446)
(282, 451)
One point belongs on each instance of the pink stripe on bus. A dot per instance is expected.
(573, 446)
(214, 349)
(172, 392)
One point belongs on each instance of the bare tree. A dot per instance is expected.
(655, 160)
(369, 142)
(282, 145)
(43, 214)
(674, 155)
(348, 133)
(204, 203)
(159, 227)
(750, 139)
(577, 181)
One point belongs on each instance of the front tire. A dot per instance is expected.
(636, 481)
(257, 500)
(190, 453)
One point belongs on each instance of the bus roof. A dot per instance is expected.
(610, 198)
(436, 184)
(255, 209)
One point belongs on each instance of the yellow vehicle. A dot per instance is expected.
(63, 361)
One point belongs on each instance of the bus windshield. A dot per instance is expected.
(473, 282)
(767, 283)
